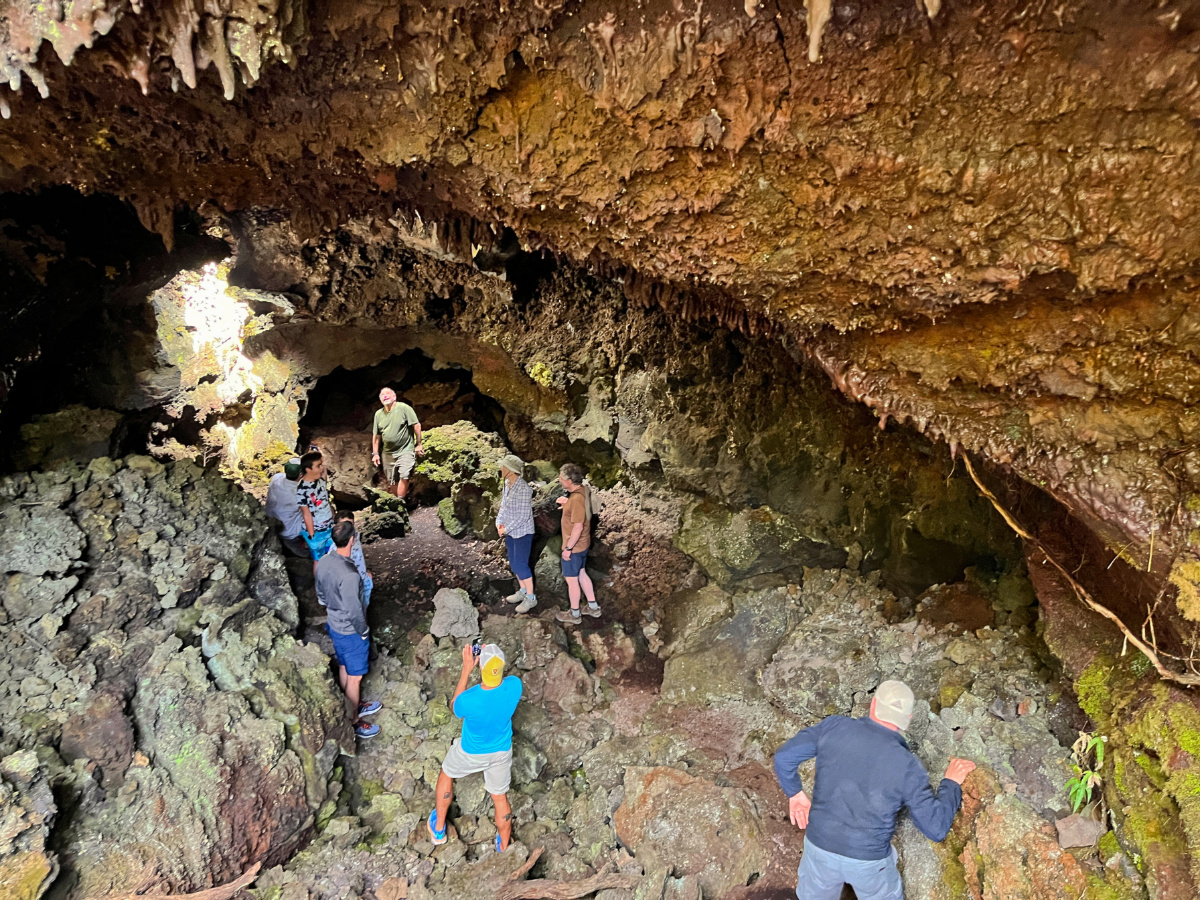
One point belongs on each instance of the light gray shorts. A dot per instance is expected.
(822, 874)
(401, 465)
(496, 767)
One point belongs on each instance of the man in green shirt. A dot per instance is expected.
(397, 427)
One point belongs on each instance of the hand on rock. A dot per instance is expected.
(798, 808)
(959, 769)
(468, 658)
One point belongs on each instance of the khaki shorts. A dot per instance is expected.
(400, 465)
(496, 767)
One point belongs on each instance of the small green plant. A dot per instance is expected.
(1089, 760)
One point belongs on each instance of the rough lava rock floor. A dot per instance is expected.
(659, 765)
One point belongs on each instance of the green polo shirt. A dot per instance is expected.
(395, 428)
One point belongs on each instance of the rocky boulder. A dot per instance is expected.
(736, 543)
(454, 615)
(461, 461)
(713, 664)
(148, 633)
(347, 455)
(672, 820)
(27, 809)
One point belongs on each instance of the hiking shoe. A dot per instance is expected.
(438, 837)
(591, 610)
(517, 597)
(369, 708)
(567, 617)
(365, 729)
(527, 604)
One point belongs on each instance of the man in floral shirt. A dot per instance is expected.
(313, 493)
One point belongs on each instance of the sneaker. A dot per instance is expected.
(591, 610)
(438, 837)
(365, 729)
(527, 604)
(567, 617)
(517, 597)
(369, 708)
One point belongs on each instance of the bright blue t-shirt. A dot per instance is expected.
(487, 716)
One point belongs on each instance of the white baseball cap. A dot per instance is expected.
(894, 703)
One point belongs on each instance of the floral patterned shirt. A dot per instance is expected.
(315, 495)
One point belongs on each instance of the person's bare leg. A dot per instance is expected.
(402, 488)
(573, 592)
(353, 684)
(342, 676)
(503, 819)
(444, 794)
(589, 589)
(527, 584)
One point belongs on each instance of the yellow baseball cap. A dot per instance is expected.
(491, 664)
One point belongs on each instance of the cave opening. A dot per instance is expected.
(346, 398)
(764, 550)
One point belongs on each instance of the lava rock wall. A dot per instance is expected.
(149, 664)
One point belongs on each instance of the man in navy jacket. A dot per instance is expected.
(865, 775)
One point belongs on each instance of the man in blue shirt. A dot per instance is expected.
(486, 743)
(865, 775)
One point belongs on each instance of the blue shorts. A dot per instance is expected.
(573, 566)
(518, 555)
(319, 543)
(353, 651)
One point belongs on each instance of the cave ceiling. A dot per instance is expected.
(977, 217)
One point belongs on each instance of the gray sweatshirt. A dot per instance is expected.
(340, 591)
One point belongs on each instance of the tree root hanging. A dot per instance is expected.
(545, 889)
(1149, 651)
(224, 892)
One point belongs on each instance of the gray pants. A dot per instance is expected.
(822, 874)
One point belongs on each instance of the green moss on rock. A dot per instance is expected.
(453, 526)
(1149, 779)
(1185, 575)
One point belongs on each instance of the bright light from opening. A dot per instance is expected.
(216, 319)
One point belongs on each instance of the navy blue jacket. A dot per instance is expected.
(865, 775)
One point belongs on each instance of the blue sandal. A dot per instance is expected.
(438, 837)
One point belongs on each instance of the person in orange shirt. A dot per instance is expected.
(577, 540)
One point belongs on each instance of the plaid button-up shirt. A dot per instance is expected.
(516, 509)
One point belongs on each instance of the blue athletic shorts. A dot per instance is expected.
(353, 651)
(518, 555)
(319, 543)
(573, 566)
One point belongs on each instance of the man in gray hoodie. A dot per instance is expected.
(340, 591)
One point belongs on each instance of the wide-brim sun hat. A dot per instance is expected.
(513, 463)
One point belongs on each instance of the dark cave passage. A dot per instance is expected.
(440, 395)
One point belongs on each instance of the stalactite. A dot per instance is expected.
(183, 31)
(818, 18)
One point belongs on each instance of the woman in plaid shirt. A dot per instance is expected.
(515, 524)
